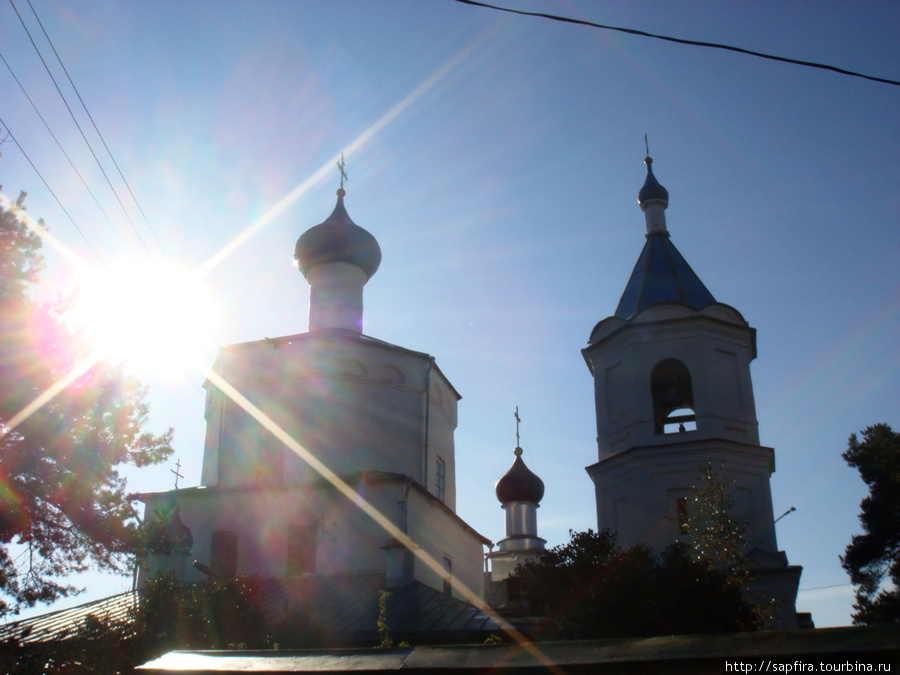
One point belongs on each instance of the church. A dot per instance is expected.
(329, 460)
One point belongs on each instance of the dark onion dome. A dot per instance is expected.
(652, 190)
(338, 239)
(519, 484)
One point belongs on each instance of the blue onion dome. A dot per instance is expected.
(338, 239)
(519, 484)
(652, 190)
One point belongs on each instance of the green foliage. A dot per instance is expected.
(591, 588)
(715, 535)
(874, 556)
(63, 503)
(216, 614)
(384, 637)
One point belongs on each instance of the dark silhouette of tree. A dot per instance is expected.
(63, 503)
(874, 556)
(591, 588)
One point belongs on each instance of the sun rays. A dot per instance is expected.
(157, 312)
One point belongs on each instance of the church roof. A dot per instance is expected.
(342, 610)
(519, 484)
(662, 275)
(338, 239)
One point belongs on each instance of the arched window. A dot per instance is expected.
(673, 397)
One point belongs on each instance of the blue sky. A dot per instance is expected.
(497, 160)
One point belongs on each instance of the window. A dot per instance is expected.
(448, 572)
(440, 476)
(223, 557)
(301, 550)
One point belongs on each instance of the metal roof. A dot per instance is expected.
(65, 623)
(662, 275)
(338, 611)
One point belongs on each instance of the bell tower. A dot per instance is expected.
(672, 389)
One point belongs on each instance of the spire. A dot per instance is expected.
(661, 274)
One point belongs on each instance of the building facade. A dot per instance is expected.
(303, 429)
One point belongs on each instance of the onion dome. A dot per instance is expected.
(519, 484)
(338, 239)
(652, 191)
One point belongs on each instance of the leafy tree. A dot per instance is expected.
(874, 556)
(591, 588)
(63, 503)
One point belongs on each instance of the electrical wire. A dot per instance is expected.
(682, 41)
(83, 136)
(65, 154)
(50, 190)
(100, 135)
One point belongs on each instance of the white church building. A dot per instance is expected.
(379, 417)
(672, 386)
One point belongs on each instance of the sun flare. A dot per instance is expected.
(154, 317)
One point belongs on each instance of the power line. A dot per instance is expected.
(682, 41)
(65, 154)
(83, 136)
(50, 189)
(102, 140)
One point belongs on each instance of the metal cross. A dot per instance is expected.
(177, 472)
(518, 420)
(342, 168)
(646, 145)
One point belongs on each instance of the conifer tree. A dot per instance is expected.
(874, 556)
(63, 501)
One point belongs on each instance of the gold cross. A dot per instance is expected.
(342, 168)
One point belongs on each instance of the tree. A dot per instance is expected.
(714, 533)
(715, 537)
(63, 503)
(591, 588)
(874, 556)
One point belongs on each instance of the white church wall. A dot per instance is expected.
(716, 354)
(351, 402)
(637, 491)
(444, 536)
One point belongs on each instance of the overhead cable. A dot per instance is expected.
(102, 140)
(87, 142)
(50, 190)
(682, 41)
(65, 154)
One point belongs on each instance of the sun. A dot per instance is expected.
(155, 317)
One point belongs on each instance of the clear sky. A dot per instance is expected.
(497, 160)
